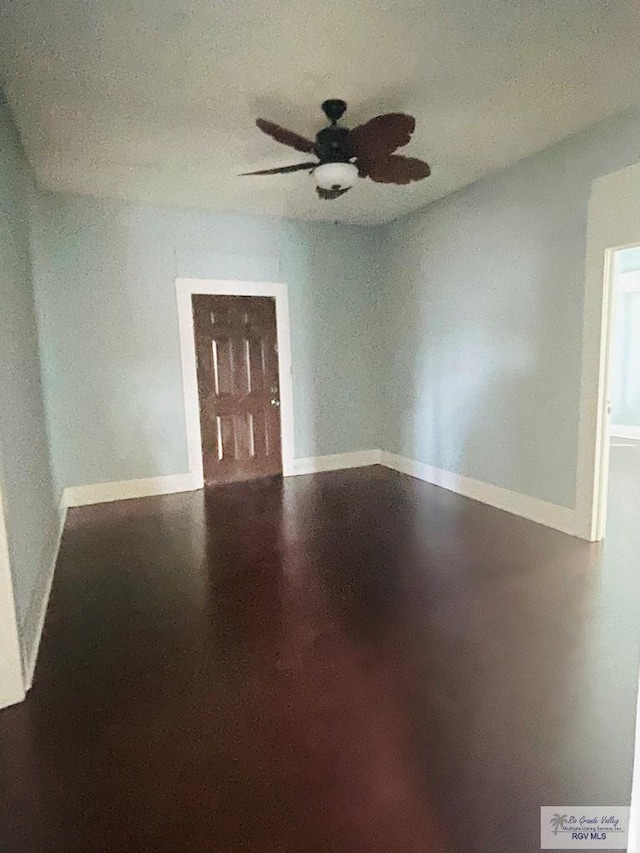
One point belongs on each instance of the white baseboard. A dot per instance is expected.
(11, 654)
(551, 515)
(336, 462)
(97, 493)
(38, 609)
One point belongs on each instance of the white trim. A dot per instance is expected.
(630, 432)
(11, 678)
(337, 461)
(594, 416)
(32, 659)
(185, 289)
(551, 515)
(97, 493)
(613, 224)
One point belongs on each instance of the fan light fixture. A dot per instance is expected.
(342, 155)
(335, 176)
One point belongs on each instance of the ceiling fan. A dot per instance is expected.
(366, 151)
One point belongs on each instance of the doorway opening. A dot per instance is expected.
(236, 375)
(620, 499)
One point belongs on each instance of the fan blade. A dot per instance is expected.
(327, 195)
(379, 137)
(297, 167)
(286, 137)
(399, 170)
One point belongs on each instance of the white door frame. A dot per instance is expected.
(185, 289)
(11, 676)
(613, 224)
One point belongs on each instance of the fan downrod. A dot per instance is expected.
(334, 109)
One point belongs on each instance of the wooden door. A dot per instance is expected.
(237, 363)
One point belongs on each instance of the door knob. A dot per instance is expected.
(275, 401)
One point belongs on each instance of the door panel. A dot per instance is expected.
(238, 386)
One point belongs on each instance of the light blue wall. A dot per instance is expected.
(25, 470)
(484, 318)
(625, 379)
(628, 260)
(625, 385)
(452, 336)
(107, 306)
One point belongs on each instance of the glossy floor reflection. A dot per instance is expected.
(352, 661)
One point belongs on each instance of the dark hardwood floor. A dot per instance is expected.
(348, 662)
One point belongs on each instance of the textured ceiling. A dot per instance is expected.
(155, 99)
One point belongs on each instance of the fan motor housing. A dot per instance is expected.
(332, 145)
